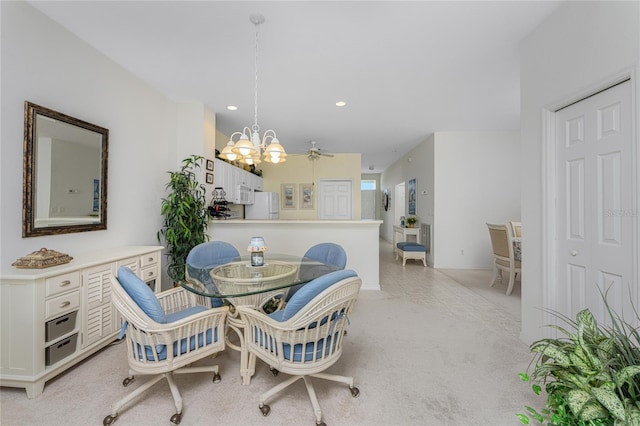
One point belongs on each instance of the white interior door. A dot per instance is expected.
(335, 198)
(595, 204)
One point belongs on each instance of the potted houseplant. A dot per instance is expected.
(185, 215)
(591, 376)
(411, 221)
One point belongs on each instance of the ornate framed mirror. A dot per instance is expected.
(64, 173)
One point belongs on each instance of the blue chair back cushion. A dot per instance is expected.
(206, 256)
(330, 253)
(140, 292)
(309, 291)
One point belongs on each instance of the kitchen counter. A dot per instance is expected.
(359, 238)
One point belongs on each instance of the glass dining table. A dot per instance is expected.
(263, 287)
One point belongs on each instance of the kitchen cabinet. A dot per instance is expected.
(54, 318)
(239, 185)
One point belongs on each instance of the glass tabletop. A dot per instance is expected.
(237, 277)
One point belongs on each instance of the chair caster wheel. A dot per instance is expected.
(126, 382)
(217, 378)
(265, 409)
(109, 420)
(176, 419)
(274, 371)
(355, 392)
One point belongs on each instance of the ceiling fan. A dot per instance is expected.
(314, 152)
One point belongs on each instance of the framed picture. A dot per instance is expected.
(306, 196)
(210, 166)
(210, 178)
(412, 196)
(288, 195)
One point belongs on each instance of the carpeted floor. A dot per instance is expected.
(426, 350)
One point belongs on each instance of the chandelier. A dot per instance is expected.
(250, 148)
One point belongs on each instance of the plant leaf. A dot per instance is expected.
(626, 374)
(577, 399)
(610, 400)
(592, 411)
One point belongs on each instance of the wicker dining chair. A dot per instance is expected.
(165, 333)
(305, 338)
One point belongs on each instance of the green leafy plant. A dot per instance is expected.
(411, 221)
(185, 215)
(591, 375)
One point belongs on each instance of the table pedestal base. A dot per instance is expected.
(247, 360)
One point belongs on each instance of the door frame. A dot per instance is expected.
(550, 181)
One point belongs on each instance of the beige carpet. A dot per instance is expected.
(477, 280)
(414, 365)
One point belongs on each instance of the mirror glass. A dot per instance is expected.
(65, 174)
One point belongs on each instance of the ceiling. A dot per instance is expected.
(405, 69)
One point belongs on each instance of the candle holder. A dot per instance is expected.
(257, 247)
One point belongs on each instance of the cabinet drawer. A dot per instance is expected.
(62, 304)
(149, 259)
(148, 274)
(61, 283)
(61, 350)
(60, 326)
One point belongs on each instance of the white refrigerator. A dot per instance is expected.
(265, 206)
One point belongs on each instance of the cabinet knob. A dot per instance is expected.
(574, 253)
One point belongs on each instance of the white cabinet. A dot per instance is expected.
(238, 184)
(55, 317)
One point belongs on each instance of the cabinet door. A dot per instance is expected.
(224, 178)
(258, 185)
(98, 314)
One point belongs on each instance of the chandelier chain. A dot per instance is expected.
(255, 127)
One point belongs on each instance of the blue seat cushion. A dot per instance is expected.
(309, 291)
(297, 348)
(210, 336)
(162, 349)
(409, 246)
(140, 292)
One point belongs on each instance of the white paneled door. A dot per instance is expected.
(595, 205)
(335, 198)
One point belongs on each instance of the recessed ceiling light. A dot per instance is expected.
(341, 103)
(232, 107)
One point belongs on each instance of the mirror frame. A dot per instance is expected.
(31, 111)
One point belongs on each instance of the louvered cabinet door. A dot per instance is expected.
(98, 313)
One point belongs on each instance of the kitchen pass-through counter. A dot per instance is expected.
(359, 238)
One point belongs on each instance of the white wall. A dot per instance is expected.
(388, 180)
(580, 46)
(470, 178)
(47, 65)
(477, 180)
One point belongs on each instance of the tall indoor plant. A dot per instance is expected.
(185, 215)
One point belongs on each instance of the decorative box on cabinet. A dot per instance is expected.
(54, 318)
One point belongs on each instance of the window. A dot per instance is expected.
(367, 185)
